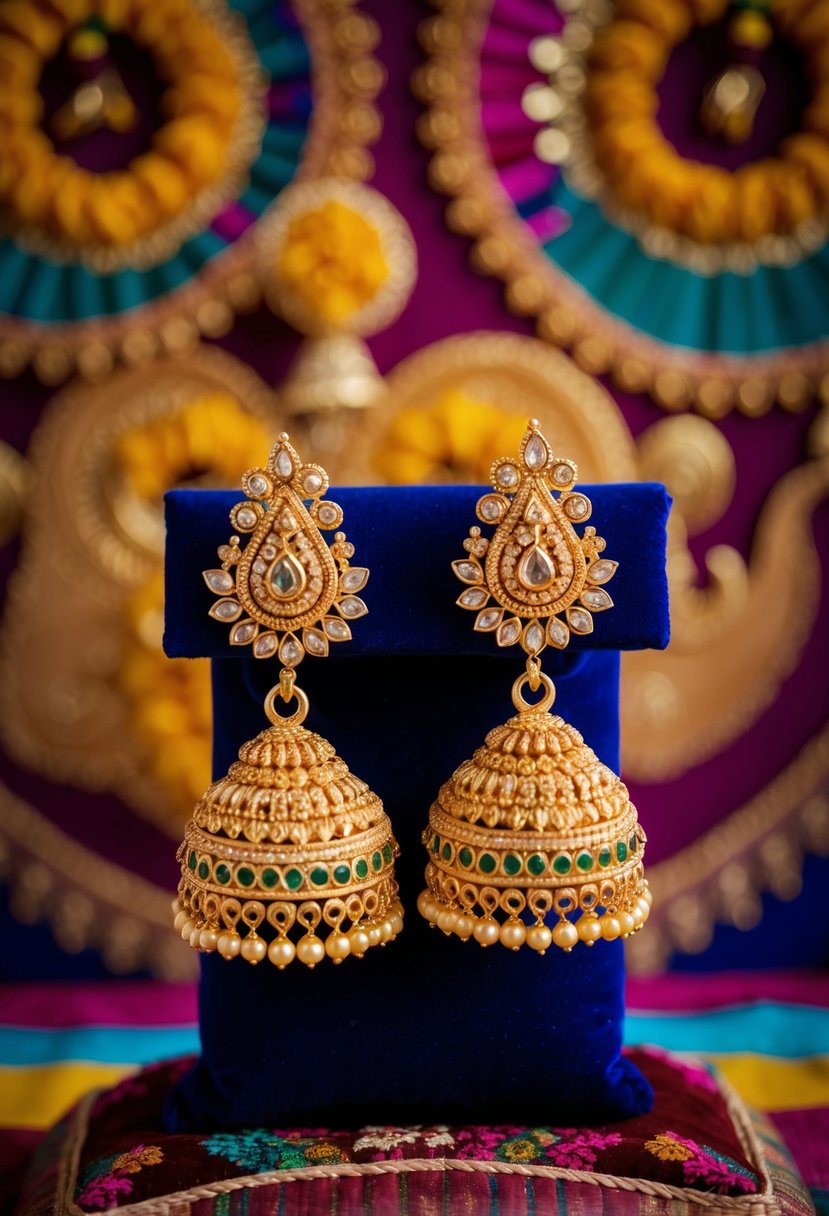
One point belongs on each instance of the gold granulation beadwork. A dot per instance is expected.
(289, 855)
(534, 823)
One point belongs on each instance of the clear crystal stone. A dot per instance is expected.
(336, 630)
(243, 632)
(535, 512)
(328, 514)
(536, 569)
(352, 607)
(558, 633)
(580, 620)
(258, 485)
(226, 610)
(507, 475)
(602, 571)
(534, 637)
(259, 567)
(315, 642)
(286, 522)
(535, 453)
(290, 652)
(218, 580)
(489, 618)
(562, 474)
(597, 599)
(354, 579)
(284, 464)
(576, 507)
(312, 481)
(473, 598)
(265, 645)
(245, 518)
(287, 576)
(491, 509)
(470, 572)
(269, 553)
(509, 632)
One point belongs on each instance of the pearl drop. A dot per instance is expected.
(589, 929)
(645, 909)
(254, 950)
(446, 920)
(374, 935)
(195, 937)
(638, 918)
(464, 926)
(647, 895)
(229, 945)
(208, 939)
(565, 935)
(181, 917)
(626, 923)
(427, 907)
(486, 932)
(513, 934)
(539, 938)
(281, 952)
(338, 947)
(386, 931)
(186, 928)
(610, 927)
(396, 922)
(310, 951)
(360, 941)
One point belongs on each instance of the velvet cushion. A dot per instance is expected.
(698, 1148)
(431, 1028)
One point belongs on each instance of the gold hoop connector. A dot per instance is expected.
(541, 706)
(287, 679)
(534, 673)
(276, 718)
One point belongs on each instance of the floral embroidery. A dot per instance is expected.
(701, 1164)
(105, 1181)
(261, 1150)
(389, 1141)
(570, 1147)
(578, 1150)
(666, 1148)
(131, 1162)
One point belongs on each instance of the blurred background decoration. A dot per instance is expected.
(609, 216)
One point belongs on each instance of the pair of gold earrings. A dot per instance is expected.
(290, 856)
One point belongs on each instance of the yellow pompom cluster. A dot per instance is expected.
(708, 204)
(331, 260)
(190, 152)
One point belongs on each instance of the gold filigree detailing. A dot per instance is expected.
(534, 823)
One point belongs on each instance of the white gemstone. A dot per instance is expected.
(312, 481)
(218, 580)
(562, 474)
(246, 518)
(469, 572)
(536, 568)
(315, 642)
(243, 632)
(597, 599)
(328, 514)
(475, 597)
(354, 579)
(284, 464)
(226, 610)
(509, 632)
(352, 607)
(602, 571)
(286, 522)
(259, 567)
(576, 507)
(490, 509)
(258, 485)
(488, 619)
(269, 553)
(534, 637)
(290, 652)
(535, 453)
(535, 512)
(580, 620)
(265, 645)
(507, 475)
(558, 633)
(336, 630)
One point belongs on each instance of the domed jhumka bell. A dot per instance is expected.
(534, 826)
(289, 855)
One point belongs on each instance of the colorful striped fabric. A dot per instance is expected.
(768, 1033)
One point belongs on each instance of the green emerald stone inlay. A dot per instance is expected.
(536, 864)
(204, 869)
(633, 842)
(361, 868)
(621, 850)
(605, 855)
(387, 854)
(377, 860)
(584, 861)
(269, 877)
(319, 876)
(465, 858)
(436, 844)
(293, 879)
(562, 864)
(191, 861)
(245, 876)
(223, 874)
(342, 874)
(512, 864)
(447, 852)
(486, 863)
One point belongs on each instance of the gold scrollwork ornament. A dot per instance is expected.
(534, 824)
(290, 855)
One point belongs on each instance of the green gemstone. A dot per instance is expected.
(562, 864)
(486, 863)
(387, 854)
(605, 855)
(269, 878)
(191, 861)
(342, 874)
(512, 864)
(245, 876)
(204, 869)
(447, 852)
(376, 861)
(584, 861)
(465, 858)
(361, 868)
(223, 874)
(634, 843)
(536, 864)
(293, 879)
(436, 844)
(319, 876)
(621, 851)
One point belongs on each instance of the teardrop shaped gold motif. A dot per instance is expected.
(535, 566)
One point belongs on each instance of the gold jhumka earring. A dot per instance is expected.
(290, 843)
(534, 823)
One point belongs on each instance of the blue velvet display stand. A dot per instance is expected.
(429, 1029)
